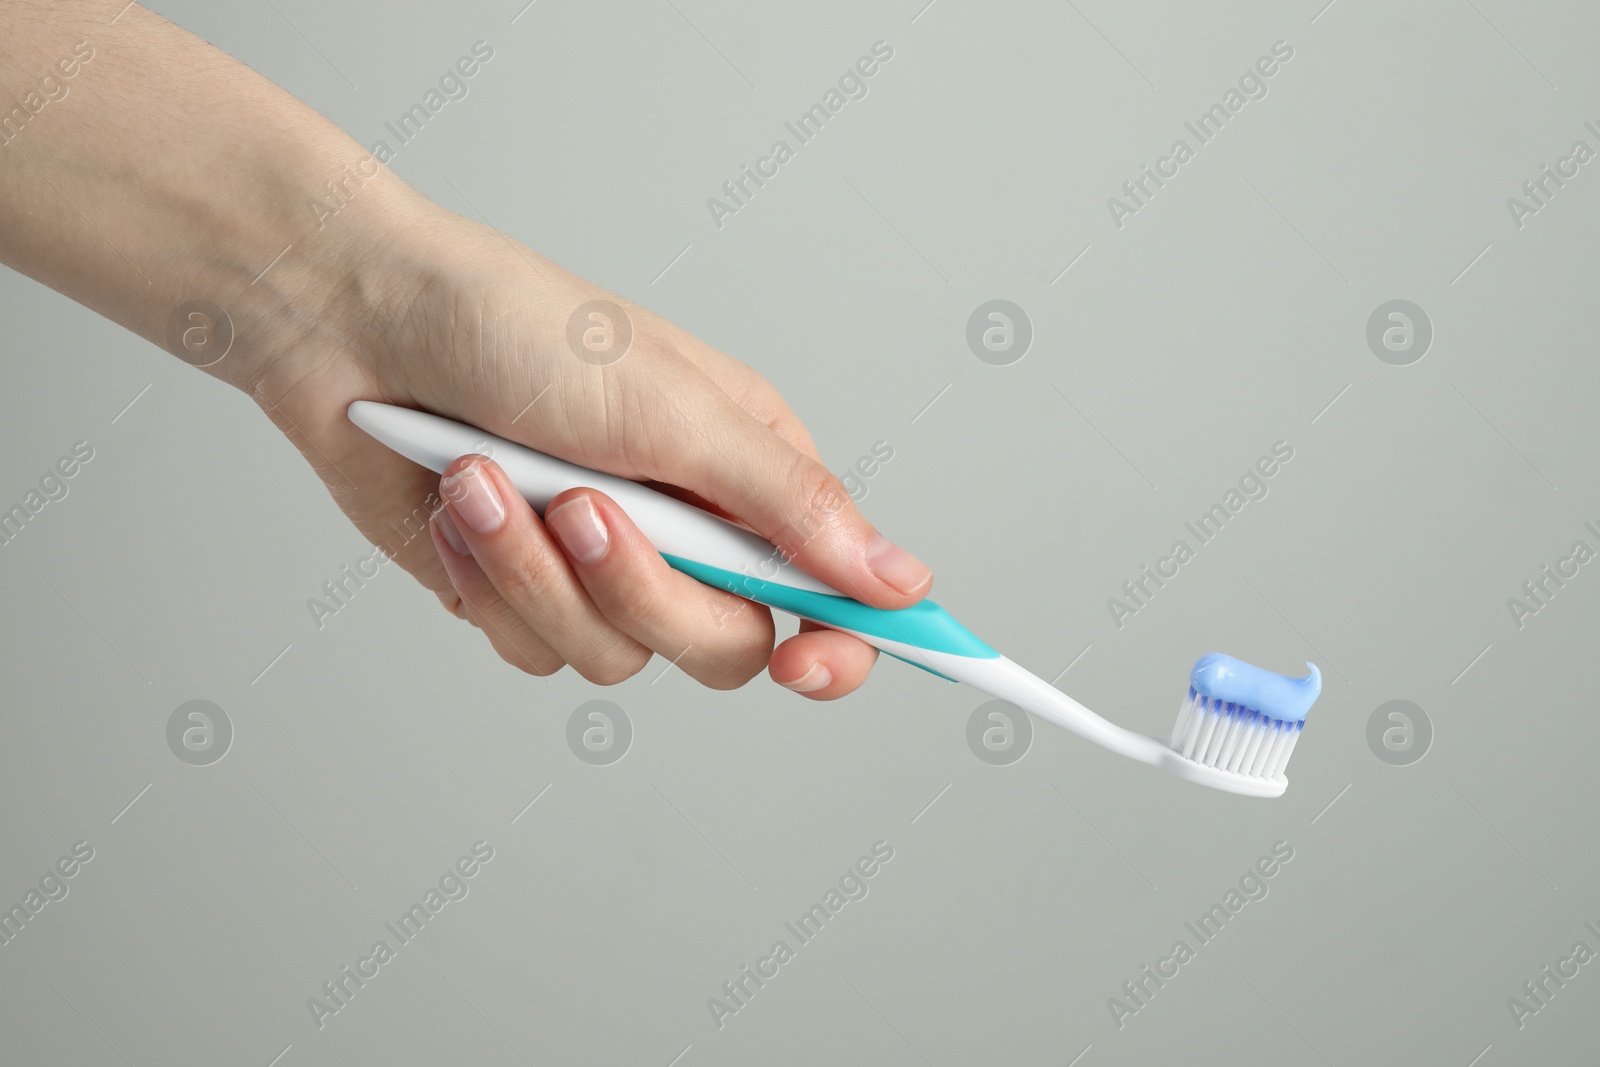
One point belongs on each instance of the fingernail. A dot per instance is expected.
(818, 677)
(451, 532)
(897, 567)
(578, 527)
(475, 499)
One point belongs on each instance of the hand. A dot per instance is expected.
(385, 296)
(475, 329)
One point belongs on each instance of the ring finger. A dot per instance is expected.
(528, 575)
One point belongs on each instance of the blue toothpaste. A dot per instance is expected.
(1233, 681)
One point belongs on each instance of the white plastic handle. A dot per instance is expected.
(674, 527)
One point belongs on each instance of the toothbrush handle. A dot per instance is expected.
(704, 546)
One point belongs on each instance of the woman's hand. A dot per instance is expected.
(477, 329)
(166, 177)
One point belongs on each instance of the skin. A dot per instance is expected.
(160, 171)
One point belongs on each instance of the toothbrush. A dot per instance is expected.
(1236, 727)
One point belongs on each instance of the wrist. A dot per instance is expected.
(345, 251)
(244, 247)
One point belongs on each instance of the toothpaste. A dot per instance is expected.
(1233, 681)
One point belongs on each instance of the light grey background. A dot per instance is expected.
(1228, 314)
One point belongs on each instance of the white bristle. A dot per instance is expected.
(1247, 758)
(1209, 719)
(1233, 738)
(1191, 731)
(1275, 754)
(1236, 730)
(1207, 752)
(1288, 750)
(1269, 744)
(1185, 713)
(1252, 739)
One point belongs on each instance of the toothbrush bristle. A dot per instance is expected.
(1234, 738)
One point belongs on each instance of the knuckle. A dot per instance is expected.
(637, 607)
(617, 663)
(735, 662)
(531, 577)
(769, 408)
(540, 666)
(473, 615)
(731, 672)
(451, 601)
(489, 612)
(819, 498)
(498, 621)
(539, 660)
(789, 427)
(610, 675)
(726, 608)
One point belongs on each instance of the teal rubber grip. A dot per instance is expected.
(922, 625)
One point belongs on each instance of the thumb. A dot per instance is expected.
(788, 497)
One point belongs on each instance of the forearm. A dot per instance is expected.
(142, 171)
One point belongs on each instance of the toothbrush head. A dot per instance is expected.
(1239, 724)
